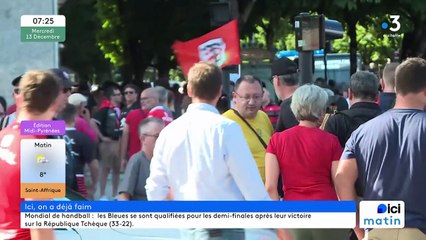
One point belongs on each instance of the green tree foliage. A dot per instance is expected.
(138, 34)
(110, 39)
(374, 45)
(369, 40)
(281, 35)
(80, 52)
(270, 24)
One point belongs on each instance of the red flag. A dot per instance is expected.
(221, 45)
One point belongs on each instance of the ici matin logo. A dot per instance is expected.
(382, 214)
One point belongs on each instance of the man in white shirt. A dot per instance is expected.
(204, 156)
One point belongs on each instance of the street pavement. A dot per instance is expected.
(108, 189)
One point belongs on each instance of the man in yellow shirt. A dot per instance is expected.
(257, 129)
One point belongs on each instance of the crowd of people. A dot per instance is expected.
(370, 147)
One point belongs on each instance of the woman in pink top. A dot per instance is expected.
(306, 157)
(82, 123)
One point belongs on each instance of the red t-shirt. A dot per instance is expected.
(10, 164)
(161, 113)
(133, 119)
(304, 156)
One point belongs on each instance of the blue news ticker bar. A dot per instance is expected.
(188, 206)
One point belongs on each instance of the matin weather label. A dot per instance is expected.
(42, 28)
(43, 168)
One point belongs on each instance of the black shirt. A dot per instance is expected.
(126, 110)
(286, 118)
(83, 148)
(387, 100)
(108, 122)
(343, 123)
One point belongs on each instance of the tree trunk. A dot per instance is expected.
(270, 32)
(126, 69)
(353, 46)
(414, 43)
(126, 73)
(407, 46)
(245, 13)
(234, 9)
(163, 75)
(144, 62)
(134, 58)
(164, 65)
(141, 73)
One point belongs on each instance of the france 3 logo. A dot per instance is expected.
(382, 214)
(394, 25)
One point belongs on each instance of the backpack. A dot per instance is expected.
(347, 123)
(331, 111)
(334, 106)
(353, 124)
(111, 125)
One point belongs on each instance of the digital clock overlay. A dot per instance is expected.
(43, 28)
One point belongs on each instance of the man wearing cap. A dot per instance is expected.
(285, 78)
(66, 86)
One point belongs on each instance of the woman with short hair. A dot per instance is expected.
(306, 157)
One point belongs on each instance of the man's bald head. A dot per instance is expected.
(149, 98)
(151, 91)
